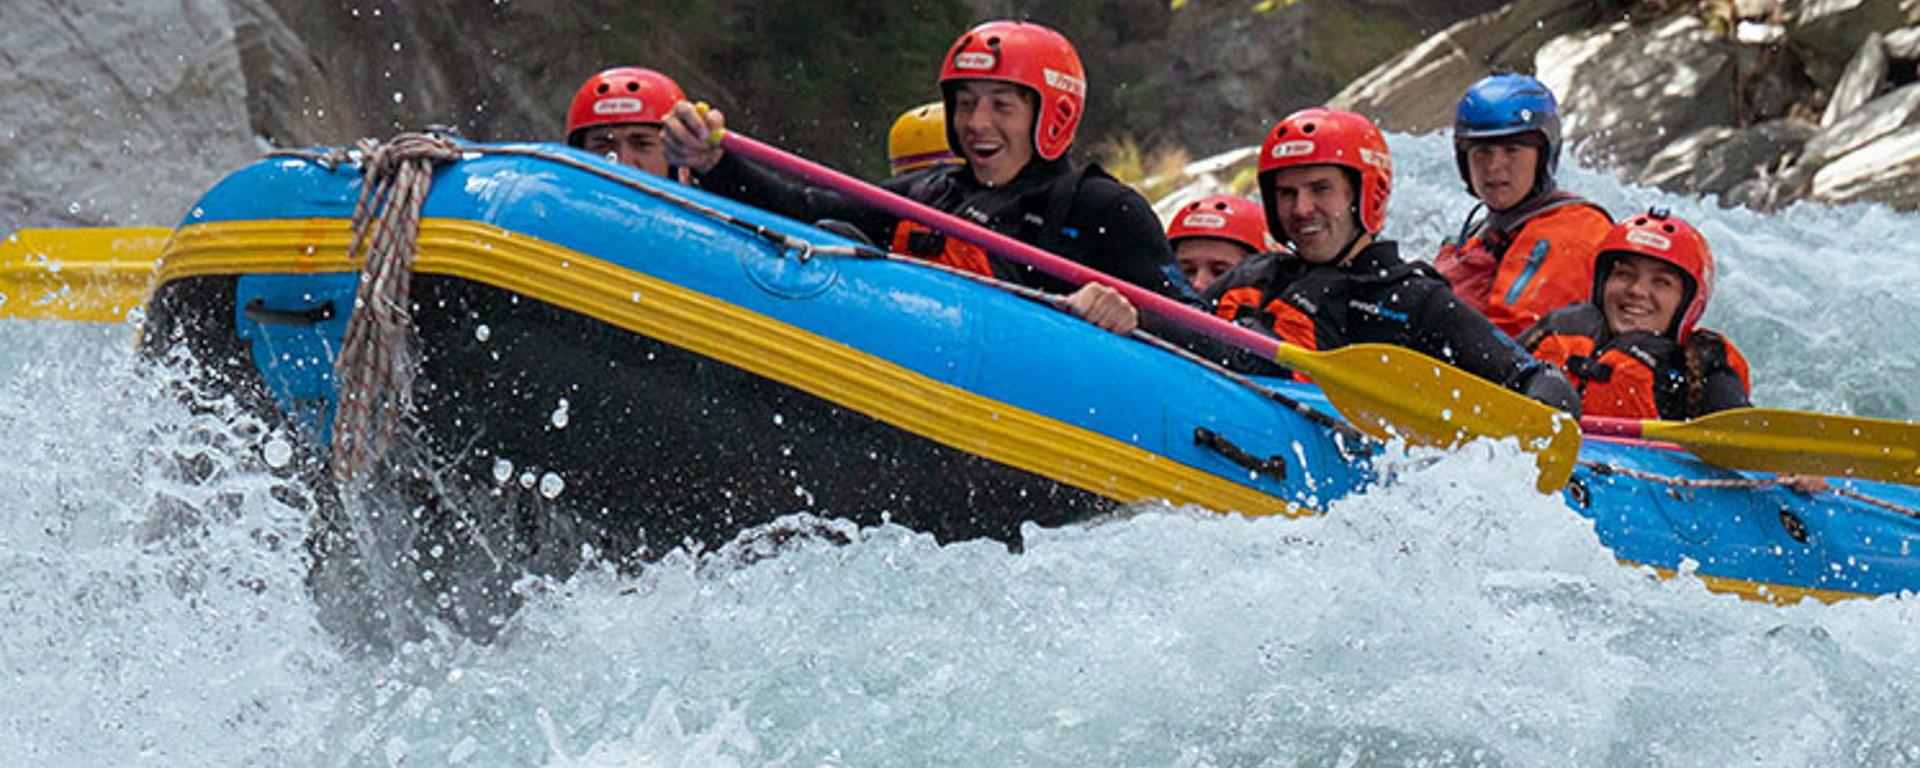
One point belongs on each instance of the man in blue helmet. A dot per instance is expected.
(1532, 251)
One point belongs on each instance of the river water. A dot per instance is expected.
(153, 608)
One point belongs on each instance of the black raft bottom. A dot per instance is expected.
(541, 434)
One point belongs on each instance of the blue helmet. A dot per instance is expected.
(1507, 104)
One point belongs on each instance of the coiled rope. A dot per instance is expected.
(379, 358)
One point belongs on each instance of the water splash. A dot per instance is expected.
(153, 583)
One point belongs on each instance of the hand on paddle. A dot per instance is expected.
(1104, 307)
(690, 131)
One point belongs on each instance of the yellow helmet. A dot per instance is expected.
(919, 139)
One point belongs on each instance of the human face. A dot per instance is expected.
(1641, 294)
(1314, 204)
(1502, 172)
(1204, 259)
(995, 124)
(631, 144)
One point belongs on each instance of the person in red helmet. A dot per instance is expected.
(1635, 349)
(1212, 235)
(1014, 92)
(1325, 176)
(617, 114)
(1532, 251)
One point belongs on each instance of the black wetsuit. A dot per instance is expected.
(1079, 213)
(1376, 298)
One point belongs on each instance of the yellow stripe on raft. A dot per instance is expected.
(707, 326)
(1759, 591)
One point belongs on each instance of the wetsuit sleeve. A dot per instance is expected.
(1448, 329)
(1722, 386)
(745, 182)
(1725, 390)
(1122, 237)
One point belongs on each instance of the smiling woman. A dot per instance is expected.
(1633, 348)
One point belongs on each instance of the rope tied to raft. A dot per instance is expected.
(1744, 482)
(378, 359)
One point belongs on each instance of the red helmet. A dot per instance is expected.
(1331, 137)
(1231, 218)
(1659, 235)
(622, 95)
(1025, 54)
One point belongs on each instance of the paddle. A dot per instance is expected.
(85, 274)
(1384, 390)
(1786, 442)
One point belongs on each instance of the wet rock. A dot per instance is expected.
(290, 101)
(1417, 90)
(1829, 32)
(117, 113)
(1626, 92)
(1903, 44)
(1868, 123)
(1884, 170)
(1717, 159)
(1864, 77)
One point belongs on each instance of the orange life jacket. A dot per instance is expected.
(1635, 375)
(915, 239)
(1548, 265)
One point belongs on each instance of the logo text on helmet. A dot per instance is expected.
(1065, 82)
(1205, 220)
(1649, 239)
(618, 106)
(1291, 149)
(973, 60)
(1380, 160)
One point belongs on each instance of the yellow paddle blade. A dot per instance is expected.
(87, 274)
(1389, 391)
(1799, 443)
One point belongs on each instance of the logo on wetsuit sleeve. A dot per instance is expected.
(1376, 310)
(620, 106)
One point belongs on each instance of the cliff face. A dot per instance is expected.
(116, 112)
(1759, 102)
(124, 113)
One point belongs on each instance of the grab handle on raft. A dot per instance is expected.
(1272, 466)
(1385, 391)
(258, 311)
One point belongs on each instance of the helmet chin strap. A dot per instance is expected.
(1359, 231)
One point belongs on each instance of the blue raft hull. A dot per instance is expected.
(608, 360)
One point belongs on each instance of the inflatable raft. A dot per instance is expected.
(611, 359)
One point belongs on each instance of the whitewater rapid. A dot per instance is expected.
(153, 608)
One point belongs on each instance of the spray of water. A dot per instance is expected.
(154, 605)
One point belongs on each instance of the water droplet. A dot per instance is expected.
(779, 420)
(636, 297)
(396, 46)
(560, 415)
(482, 332)
(551, 485)
(277, 452)
(73, 207)
(526, 479)
(502, 470)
